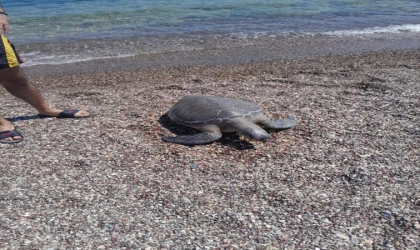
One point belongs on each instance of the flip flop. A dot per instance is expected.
(67, 113)
(10, 133)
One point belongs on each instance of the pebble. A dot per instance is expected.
(185, 200)
(322, 196)
(386, 213)
(367, 243)
(342, 236)
(327, 221)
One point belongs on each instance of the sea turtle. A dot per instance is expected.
(214, 115)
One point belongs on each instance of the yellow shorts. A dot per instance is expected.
(8, 56)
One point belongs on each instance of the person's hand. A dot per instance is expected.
(4, 24)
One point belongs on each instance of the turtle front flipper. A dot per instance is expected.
(278, 124)
(247, 128)
(196, 139)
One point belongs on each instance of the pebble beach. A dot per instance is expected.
(346, 177)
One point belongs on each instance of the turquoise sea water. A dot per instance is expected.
(168, 21)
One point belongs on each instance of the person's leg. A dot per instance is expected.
(15, 82)
(13, 79)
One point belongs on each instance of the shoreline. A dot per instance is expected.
(345, 177)
(141, 55)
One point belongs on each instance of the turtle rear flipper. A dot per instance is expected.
(200, 138)
(278, 124)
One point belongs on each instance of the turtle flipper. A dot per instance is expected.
(248, 128)
(279, 124)
(196, 139)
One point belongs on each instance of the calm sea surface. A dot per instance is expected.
(93, 26)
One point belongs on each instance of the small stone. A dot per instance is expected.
(185, 200)
(322, 196)
(193, 167)
(386, 213)
(327, 221)
(417, 226)
(342, 236)
(354, 240)
(367, 243)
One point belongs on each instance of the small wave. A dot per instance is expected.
(31, 60)
(376, 30)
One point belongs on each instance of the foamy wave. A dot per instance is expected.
(32, 60)
(377, 30)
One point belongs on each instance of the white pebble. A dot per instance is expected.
(342, 236)
(186, 200)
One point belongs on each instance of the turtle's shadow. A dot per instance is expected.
(229, 139)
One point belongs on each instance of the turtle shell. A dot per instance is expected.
(210, 110)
